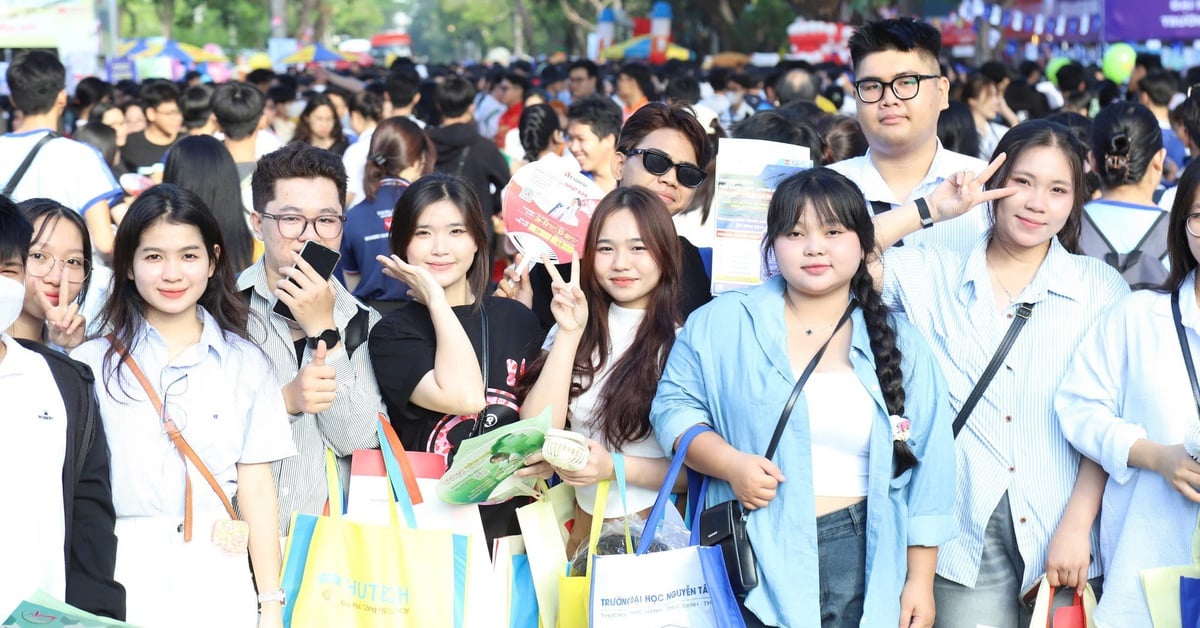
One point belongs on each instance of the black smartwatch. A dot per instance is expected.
(330, 336)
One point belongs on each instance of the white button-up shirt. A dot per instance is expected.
(1012, 442)
(229, 409)
(959, 234)
(1128, 382)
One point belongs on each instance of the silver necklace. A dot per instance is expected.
(1011, 298)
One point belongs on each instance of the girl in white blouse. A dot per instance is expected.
(1127, 403)
(615, 323)
(173, 309)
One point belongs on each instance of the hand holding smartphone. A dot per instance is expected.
(323, 260)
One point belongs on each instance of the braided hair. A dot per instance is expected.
(538, 125)
(837, 200)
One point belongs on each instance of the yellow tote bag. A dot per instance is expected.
(575, 591)
(1161, 586)
(359, 575)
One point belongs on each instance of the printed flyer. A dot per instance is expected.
(483, 467)
(747, 173)
(41, 610)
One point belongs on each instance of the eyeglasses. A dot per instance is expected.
(658, 163)
(75, 269)
(292, 226)
(905, 87)
(172, 416)
(1192, 224)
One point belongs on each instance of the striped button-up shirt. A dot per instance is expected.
(959, 234)
(347, 425)
(1012, 442)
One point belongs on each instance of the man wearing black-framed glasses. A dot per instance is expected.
(328, 385)
(899, 93)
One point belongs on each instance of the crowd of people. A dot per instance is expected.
(984, 272)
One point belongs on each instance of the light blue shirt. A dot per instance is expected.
(729, 368)
(229, 409)
(1127, 382)
(1012, 442)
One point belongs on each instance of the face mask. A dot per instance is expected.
(12, 299)
(295, 108)
(346, 123)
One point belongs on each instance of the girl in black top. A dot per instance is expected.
(427, 354)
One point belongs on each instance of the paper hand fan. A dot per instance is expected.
(547, 209)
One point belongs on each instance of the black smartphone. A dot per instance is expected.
(323, 260)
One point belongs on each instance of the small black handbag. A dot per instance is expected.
(724, 525)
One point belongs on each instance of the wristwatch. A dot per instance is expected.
(273, 596)
(923, 212)
(330, 336)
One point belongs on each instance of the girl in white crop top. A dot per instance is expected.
(616, 322)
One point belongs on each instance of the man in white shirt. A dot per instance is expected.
(899, 94)
(59, 535)
(67, 171)
(366, 110)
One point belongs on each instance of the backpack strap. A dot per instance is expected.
(21, 169)
(358, 328)
(879, 207)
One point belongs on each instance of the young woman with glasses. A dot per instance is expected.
(57, 274)
(174, 317)
(665, 150)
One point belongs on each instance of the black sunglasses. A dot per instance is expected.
(658, 163)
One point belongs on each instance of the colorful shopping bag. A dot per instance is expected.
(359, 575)
(678, 587)
(574, 591)
(370, 501)
(1163, 585)
(544, 527)
(1081, 613)
(510, 567)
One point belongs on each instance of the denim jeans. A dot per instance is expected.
(842, 566)
(994, 601)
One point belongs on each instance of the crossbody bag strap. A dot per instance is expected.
(24, 167)
(1185, 347)
(1023, 313)
(812, 365)
(483, 367)
(181, 445)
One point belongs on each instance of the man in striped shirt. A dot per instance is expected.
(328, 384)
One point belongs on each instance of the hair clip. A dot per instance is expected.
(1116, 162)
(379, 159)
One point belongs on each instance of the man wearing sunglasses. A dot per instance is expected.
(899, 93)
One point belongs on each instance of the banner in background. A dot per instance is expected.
(1138, 20)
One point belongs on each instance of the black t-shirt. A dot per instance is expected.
(696, 289)
(403, 346)
(139, 152)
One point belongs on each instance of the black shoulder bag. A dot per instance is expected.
(24, 167)
(964, 413)
(724, 525)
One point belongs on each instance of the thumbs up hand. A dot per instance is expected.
(315, 386)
